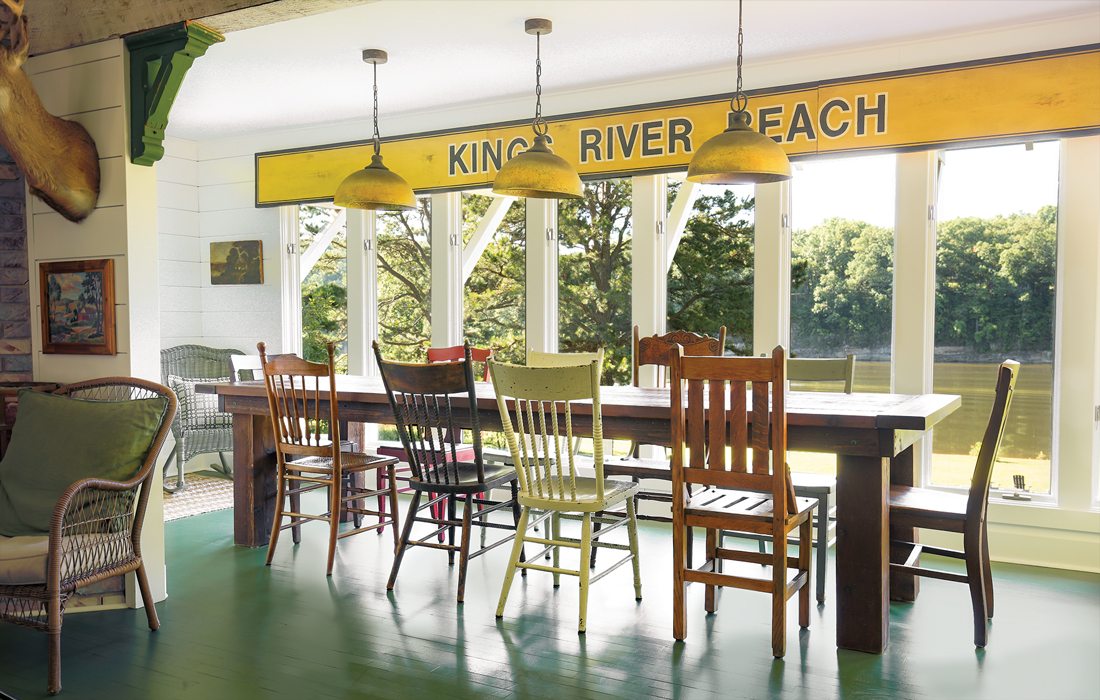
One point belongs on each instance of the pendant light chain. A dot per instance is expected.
(377, 139)
(739, 101)
(539, 124)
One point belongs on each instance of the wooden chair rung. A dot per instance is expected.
(753, 557)
(548, 569)
(611, 568)
(574, 544)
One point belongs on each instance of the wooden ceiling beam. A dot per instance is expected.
(62, 24)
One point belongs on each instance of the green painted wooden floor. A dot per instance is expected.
(232, 628)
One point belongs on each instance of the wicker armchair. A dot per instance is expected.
(99, 537)
(200, 428)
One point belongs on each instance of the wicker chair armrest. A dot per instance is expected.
(92, 531)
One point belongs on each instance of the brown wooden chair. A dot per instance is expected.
(464, 453)
(301, 397)
(423, 398)
(708, 420)
(936, 510)
(658, 350)
(95, 532)
(818, 486)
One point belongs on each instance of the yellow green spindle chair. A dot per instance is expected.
(538, 408)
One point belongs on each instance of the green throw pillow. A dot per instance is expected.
(58, 440)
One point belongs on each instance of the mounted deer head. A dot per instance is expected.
(57, 156)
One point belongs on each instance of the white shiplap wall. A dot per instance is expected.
(178, 232)
(88, 85)
(237, 316)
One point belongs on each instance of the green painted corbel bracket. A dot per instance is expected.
(159, 58)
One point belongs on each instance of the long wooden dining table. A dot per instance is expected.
(871, 434)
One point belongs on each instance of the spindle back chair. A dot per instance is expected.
(717, 422)
(539, 410)
(301, 397)
(424, 399)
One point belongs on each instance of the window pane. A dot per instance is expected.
(995, 272)
(842, 269)
(404, 281)
(711, 277)
(594, 271)
(323, 242)
(494, 298)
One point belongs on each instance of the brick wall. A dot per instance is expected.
(15, 307)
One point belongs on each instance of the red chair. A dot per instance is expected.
(464, 453)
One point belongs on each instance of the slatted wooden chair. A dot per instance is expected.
(463, 452)
(301, 397)
(657, 351)
(547, 468)
(836, 370)
(936, 510)
(708, 420)
(423, 398)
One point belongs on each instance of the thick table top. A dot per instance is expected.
(804, 408)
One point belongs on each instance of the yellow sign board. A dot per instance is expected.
(1007, 98)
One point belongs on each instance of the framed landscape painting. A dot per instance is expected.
(78, 307)
(237, 262)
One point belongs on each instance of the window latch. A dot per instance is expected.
(291, 249)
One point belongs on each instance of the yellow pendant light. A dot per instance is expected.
(375, 186)
(537, 172)
(740, 155)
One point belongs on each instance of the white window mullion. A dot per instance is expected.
(649, 276)
(771, 294)
(291, 292)
(542, 275)
(446, 292)
(362, 291)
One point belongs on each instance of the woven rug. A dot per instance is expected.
(202, 495)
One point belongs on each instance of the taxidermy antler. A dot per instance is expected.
(57, 156)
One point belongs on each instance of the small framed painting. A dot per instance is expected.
(237, 262)
(78, 307)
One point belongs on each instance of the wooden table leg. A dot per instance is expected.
(904, 587)
(354, 433)
(253, 479)
(862, 554)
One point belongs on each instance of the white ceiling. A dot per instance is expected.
(447, 52)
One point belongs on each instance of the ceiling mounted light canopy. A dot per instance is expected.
(740, 155)
(375, 186)
(537, 172)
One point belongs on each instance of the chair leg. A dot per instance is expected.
(632, 535)
(679, 586)
(805, 550)
(822, 544)
(280, 501)
(514, 488)
(592, 557)
(987, 573)
(403, 543)
(350, 489)
(464, 546)
(555, 551)
(451, 530)
(779, 594)
(379, 478)
(513, 561)
(391, 475)
(181, 482)
(296, 506)
(53, 682)
(333, 518)
(975, 575)
(586, 553)
(147, 598)
(711, 556)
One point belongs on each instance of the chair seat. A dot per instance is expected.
(495, 475)
(463, 452)
(586, 500)
(23, 560)
(927, 505)
(741, 504)
(349, 462)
